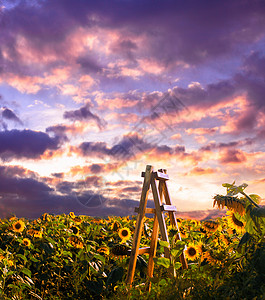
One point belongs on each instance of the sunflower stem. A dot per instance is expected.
(254, 203)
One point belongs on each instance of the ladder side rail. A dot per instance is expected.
(154, 239)
(160, 215)
(139, 224)
(174, 222)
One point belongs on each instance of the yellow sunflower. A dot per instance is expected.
(72, 215)
(38, 234)
(192, 252)
(26, 242)
(212, 259)
(211, 226)
(124, 233)
(76, 242)
(234, 222)
(18, 226)
(103, 250)
(182, 232)
(115, 226)
(78, 220)
(75, 229)
(10, 263)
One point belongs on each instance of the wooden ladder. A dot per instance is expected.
(159, 191)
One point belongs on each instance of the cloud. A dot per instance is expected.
(232, 156)
(201, 215)
(9, 115)
(84, 114)
(201, 171)
(25, 144)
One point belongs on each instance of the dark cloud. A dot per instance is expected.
(230, 156)
(191, 31)
(84, 114)
(89, 65)
(25, 144)
(9, 115)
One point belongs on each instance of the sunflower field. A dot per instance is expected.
(81, 257)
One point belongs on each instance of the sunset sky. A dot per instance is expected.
(93, 91)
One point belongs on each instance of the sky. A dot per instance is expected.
(93, 91)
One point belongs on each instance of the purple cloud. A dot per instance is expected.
(84, 114)
(25, 144)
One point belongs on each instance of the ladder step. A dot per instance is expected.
(168, 208)
(158, 175)
(148, 210)
(164, 208)
(141, 251)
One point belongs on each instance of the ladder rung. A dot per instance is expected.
(168, 208)
(148, 210)
(158, 175)
(141, 251)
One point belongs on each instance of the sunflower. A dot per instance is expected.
(230, 202)
(224, 239)
(75, 229)
(234, 222)
(192, 252)
(211, 226)
(182, 232)
(18, 226)
(26, 242)
(124, 233)
(120, 250)
(115, 226)
(97, 220)
(37, 234)
(76, 242)
(213, 259)
(10, 263)
(72, 215)
(78, 220)
(103, 250)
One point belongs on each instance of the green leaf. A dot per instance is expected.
(115, 275)
(164, 244)
(245, 238)
(22, 256)
(255, 198)
(26, 271)
(162, 261)
(177, 265)
(176, 252)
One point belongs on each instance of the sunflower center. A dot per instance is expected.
(124, 233)
(236, 221)
(17, 225)
(192, 251)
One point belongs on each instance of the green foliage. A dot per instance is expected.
(68, 257)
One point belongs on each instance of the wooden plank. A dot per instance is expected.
(148, 210)
(158, 175)
(139, 224)
(141, 251)
(160, 216)
(168, 208)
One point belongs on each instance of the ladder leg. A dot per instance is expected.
(153, 243)
(139, 225)
(173, 222)
(160, 216)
